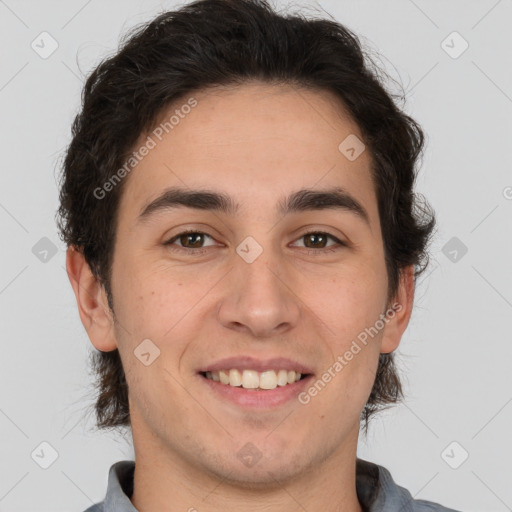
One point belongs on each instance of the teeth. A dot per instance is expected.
(282, 378)
(224, 377)
(235, 378)
(251, 379)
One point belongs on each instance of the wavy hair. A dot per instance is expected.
(231, 42)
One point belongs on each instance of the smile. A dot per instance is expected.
(252, 379)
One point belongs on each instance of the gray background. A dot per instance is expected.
(455, 356)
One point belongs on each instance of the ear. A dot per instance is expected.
(397, 322)
(92, 301)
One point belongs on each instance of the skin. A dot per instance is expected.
(257, 143)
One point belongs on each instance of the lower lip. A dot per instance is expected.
(257, 399)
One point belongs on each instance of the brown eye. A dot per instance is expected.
(192, 240)
(317, 240)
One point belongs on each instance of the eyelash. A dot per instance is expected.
(199, 251)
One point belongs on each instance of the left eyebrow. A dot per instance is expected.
(299, 201)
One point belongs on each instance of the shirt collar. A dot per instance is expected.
(120, 487)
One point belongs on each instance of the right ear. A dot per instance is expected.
(92, 301)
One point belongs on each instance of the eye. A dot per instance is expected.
(318, 241)
(189, 239)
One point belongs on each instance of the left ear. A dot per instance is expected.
(399, 311)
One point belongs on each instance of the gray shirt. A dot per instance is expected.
(376, 491)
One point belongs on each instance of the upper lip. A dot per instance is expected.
(256, 364)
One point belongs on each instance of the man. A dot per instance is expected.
(238, 205)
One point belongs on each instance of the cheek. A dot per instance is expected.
(147, 301)
(151, 308)
(350, 306)
(350, 301)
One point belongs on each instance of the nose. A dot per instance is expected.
(259, 299)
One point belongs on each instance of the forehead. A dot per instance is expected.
(256, 142)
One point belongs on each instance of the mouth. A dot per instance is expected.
(250, 389)
(252, 379)
(250, 382)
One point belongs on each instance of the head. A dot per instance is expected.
(232, 97)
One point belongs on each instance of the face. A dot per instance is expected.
(277, 287)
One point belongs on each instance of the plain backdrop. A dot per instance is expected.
(450, 440)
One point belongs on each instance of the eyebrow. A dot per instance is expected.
(303, 200)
